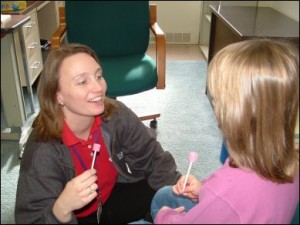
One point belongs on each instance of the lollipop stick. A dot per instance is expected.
(94, 157)
(187, 175)
(96, 148)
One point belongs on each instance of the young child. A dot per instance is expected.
(254, 86)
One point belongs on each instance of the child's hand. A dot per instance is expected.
(192, 187)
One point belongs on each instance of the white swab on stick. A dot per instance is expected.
(193, 157)
(96, 148)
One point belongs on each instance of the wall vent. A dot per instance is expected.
(178, 37)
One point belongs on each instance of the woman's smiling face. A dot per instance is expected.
(82, 87)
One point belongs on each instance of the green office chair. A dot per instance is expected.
(118, 31)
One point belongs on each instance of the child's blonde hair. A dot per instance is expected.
(254, 86)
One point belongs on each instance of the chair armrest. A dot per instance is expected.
(60, 32)
(160, 39)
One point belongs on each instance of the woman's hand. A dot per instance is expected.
(78, 192)
(191, 189)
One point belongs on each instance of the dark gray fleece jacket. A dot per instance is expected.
(47, 167)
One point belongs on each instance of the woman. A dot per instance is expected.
(61, 180)
(254, 86)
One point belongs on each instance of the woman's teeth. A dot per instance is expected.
(97, 99)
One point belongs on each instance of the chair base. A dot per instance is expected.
(153, 122)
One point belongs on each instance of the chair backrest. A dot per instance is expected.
(111, 28)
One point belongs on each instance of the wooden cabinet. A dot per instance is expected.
(231, 24)
(31, 50)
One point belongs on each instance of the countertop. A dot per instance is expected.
(15, 22)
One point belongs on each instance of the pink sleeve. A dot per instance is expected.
(168, 216)
(217, 211)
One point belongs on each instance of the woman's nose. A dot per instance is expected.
(97, 85)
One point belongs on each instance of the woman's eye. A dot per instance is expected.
(98, 77)
(82, 82)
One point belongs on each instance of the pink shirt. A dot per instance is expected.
(232, 195)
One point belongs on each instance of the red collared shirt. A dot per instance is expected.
(106, 172)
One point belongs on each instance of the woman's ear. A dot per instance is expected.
(59, 98)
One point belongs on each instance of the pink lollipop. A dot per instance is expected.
(96, 148)
(193, 157)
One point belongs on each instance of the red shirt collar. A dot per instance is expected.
(69, 137)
